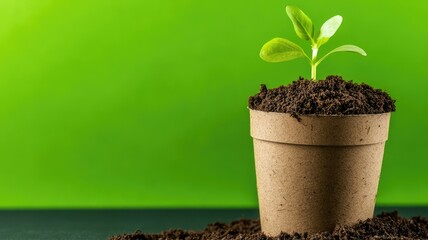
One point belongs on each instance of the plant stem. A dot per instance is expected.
(313, 72)
(313, 63)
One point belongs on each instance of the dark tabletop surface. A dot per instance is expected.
(101, 224)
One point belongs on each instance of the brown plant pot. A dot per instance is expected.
(317, 172)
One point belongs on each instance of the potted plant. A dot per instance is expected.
(318, 144)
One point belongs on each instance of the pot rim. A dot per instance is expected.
(323, 115)
(363, 129)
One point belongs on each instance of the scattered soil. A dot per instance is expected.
(332, 96)
(383, 226)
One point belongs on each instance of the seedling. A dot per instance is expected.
(281, 49)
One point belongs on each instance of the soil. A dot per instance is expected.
(383, 226)
(332, 96)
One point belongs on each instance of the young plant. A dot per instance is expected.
(281, 49)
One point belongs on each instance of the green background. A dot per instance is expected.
(143, 103)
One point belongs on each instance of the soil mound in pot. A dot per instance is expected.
(383, 226)
(332, 96)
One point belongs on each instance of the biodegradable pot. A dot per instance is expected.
(318, 171)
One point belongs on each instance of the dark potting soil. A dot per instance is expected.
(383, 226)
(332, 96)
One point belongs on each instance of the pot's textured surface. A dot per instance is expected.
(316, 172)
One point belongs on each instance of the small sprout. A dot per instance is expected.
(281, 49)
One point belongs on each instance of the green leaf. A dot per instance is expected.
(281, 50)
(302, 23)
(328, 29)
(345, 48)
